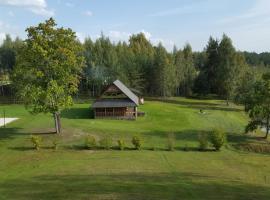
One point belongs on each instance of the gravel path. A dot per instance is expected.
(7, 120)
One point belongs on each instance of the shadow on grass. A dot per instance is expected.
(22, 148)
(198, 105)
(192, 136)
(10, 133)
(131, 186)
(77, 113)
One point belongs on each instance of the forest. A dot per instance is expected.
(153, 71)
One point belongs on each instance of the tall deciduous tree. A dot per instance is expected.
(258, 105)
(48, 69)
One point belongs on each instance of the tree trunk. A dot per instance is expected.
(267, 127)
(227, 101)
(57, 122)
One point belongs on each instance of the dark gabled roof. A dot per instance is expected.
(126, 91)
(113, 103)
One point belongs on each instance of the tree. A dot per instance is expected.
(244, 87)
(211, 66)
(48, 69)
(189, 71)
(143, 54)
(163, 73)
(258, 105)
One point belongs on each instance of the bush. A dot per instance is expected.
(217, 138)
(171, 141)
(106, 142)
(121, 144)
(90, 142)
(36, 140)
(203, 141)
(186, 148)
(55, 144)
(137, 142)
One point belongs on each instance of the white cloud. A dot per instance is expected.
(81, 36)
(118, 35)
(88, 13)
(147, 34)
(259, 9)
(2, 37)
(124, 36)
(38, 7)
(174, 11)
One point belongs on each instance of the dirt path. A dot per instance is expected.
(6, 121)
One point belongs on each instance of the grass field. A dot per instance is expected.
(74, 173)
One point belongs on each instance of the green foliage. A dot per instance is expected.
(137, 142)
(203, 141)
(217, 138)
(36, 141)
(171, 141)
(257, 104)
(222, 70)
(106, 142)
(90, 142)
(55, 143)
(121, 144)
(48, 68)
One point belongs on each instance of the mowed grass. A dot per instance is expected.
(74, 173)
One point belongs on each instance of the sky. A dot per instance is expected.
(171, 22)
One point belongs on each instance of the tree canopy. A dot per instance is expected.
(48, 69)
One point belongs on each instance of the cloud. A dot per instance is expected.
(174, 11)
(2, 37)
(118, 35)
(38, 7)
(88, 13)
(259, 9)
(124, 36)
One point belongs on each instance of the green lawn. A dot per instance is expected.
(74, 173)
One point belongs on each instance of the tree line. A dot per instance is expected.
(152, 70)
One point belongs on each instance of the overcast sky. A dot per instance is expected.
(171, 22)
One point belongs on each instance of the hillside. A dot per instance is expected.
(186, 173)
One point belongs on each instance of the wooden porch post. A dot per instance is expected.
(136, 113)
(105, 112)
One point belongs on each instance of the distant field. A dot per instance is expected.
(73, 173)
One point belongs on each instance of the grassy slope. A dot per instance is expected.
(71, 173)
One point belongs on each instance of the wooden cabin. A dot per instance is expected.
(116, 102)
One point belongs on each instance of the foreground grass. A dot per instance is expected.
(73, 173)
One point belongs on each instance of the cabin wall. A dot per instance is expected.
(117, 113)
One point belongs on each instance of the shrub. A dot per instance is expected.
(137, 142)
(217, 138)
(36, 141)
(186, 148)
(55, 144)
(171, 141)
(121, 144)
(106, 142)
(153, 148)
(90, 142)
(203, 141)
